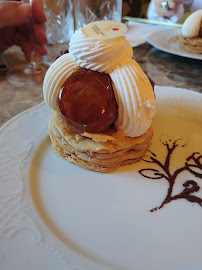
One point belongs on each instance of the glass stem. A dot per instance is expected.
(35, 65)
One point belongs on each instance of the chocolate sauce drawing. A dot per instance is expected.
(193, 164)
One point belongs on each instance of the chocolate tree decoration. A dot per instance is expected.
(193, 164)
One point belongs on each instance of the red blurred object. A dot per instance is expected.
(62, 53)
(152, 82)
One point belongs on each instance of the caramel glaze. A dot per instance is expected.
(87, 102)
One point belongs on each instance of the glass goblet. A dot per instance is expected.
(34, 72)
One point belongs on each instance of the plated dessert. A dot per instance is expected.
(102, 102)
(191, 36)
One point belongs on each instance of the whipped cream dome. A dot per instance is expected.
(133, 91)
(192, 25)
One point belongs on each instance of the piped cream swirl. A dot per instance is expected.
(193, 23)
(135, 98)
(56, 75)
(97, 54)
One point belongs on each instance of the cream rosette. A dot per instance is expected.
(56, 75)
(98, 54)
(135, 98)
(192, 25)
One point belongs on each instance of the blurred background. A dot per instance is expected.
(135, 8)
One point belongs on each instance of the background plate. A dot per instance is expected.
(160, 40)
(65, 217)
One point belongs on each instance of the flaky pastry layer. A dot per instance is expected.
(102, 152)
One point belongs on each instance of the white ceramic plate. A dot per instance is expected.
(160, 40)
(56, 215)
